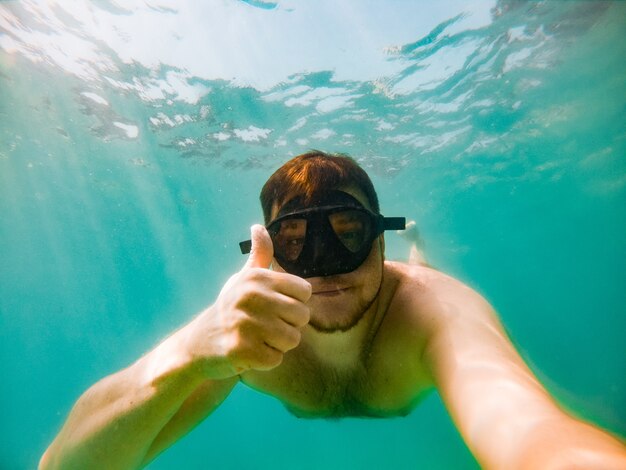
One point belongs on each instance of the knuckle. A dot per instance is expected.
(294, 339)
(265, 358)
(287, 338)
(257, 274)
(307, 291)
(251, 299)
(273, 358)
(303, 317)
(247, 297)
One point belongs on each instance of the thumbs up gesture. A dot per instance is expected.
(256, 319)
(262, 251)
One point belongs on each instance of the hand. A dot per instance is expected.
(256, 319)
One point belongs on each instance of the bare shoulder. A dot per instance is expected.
(456, 324)
(418, 303)
(426, 277)
(434, 310)
(429, 297)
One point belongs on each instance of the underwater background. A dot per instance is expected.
(135, 137)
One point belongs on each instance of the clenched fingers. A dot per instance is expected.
(282, 337)
(285, 283)
(293, 312)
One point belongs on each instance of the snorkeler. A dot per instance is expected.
(319, 319)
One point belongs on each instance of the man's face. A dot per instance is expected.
(339, 301)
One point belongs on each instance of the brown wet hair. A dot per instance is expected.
(312, 174)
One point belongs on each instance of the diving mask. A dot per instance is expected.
(333, 237)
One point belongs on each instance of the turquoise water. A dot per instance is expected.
(135, 137)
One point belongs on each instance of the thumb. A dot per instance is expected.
(262, 250)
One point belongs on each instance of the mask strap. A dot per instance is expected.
(394, 223)
(245, 247)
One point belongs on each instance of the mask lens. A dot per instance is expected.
(288, 237)
(352, 227)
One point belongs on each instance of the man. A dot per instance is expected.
(332, 330)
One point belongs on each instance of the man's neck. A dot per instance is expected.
(343, 349)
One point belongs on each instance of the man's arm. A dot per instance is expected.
(126, 419)
(504, 414)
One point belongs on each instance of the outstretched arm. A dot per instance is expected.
(504, 414)
(126, 419)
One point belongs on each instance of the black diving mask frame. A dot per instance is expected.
(326, 239)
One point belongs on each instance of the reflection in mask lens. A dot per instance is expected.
(289, 238)
(352, 227)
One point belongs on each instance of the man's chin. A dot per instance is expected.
(332, 326)
(338, 303)
(331, 318)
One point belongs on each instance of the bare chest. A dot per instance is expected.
(372, 387)
(380, 376)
